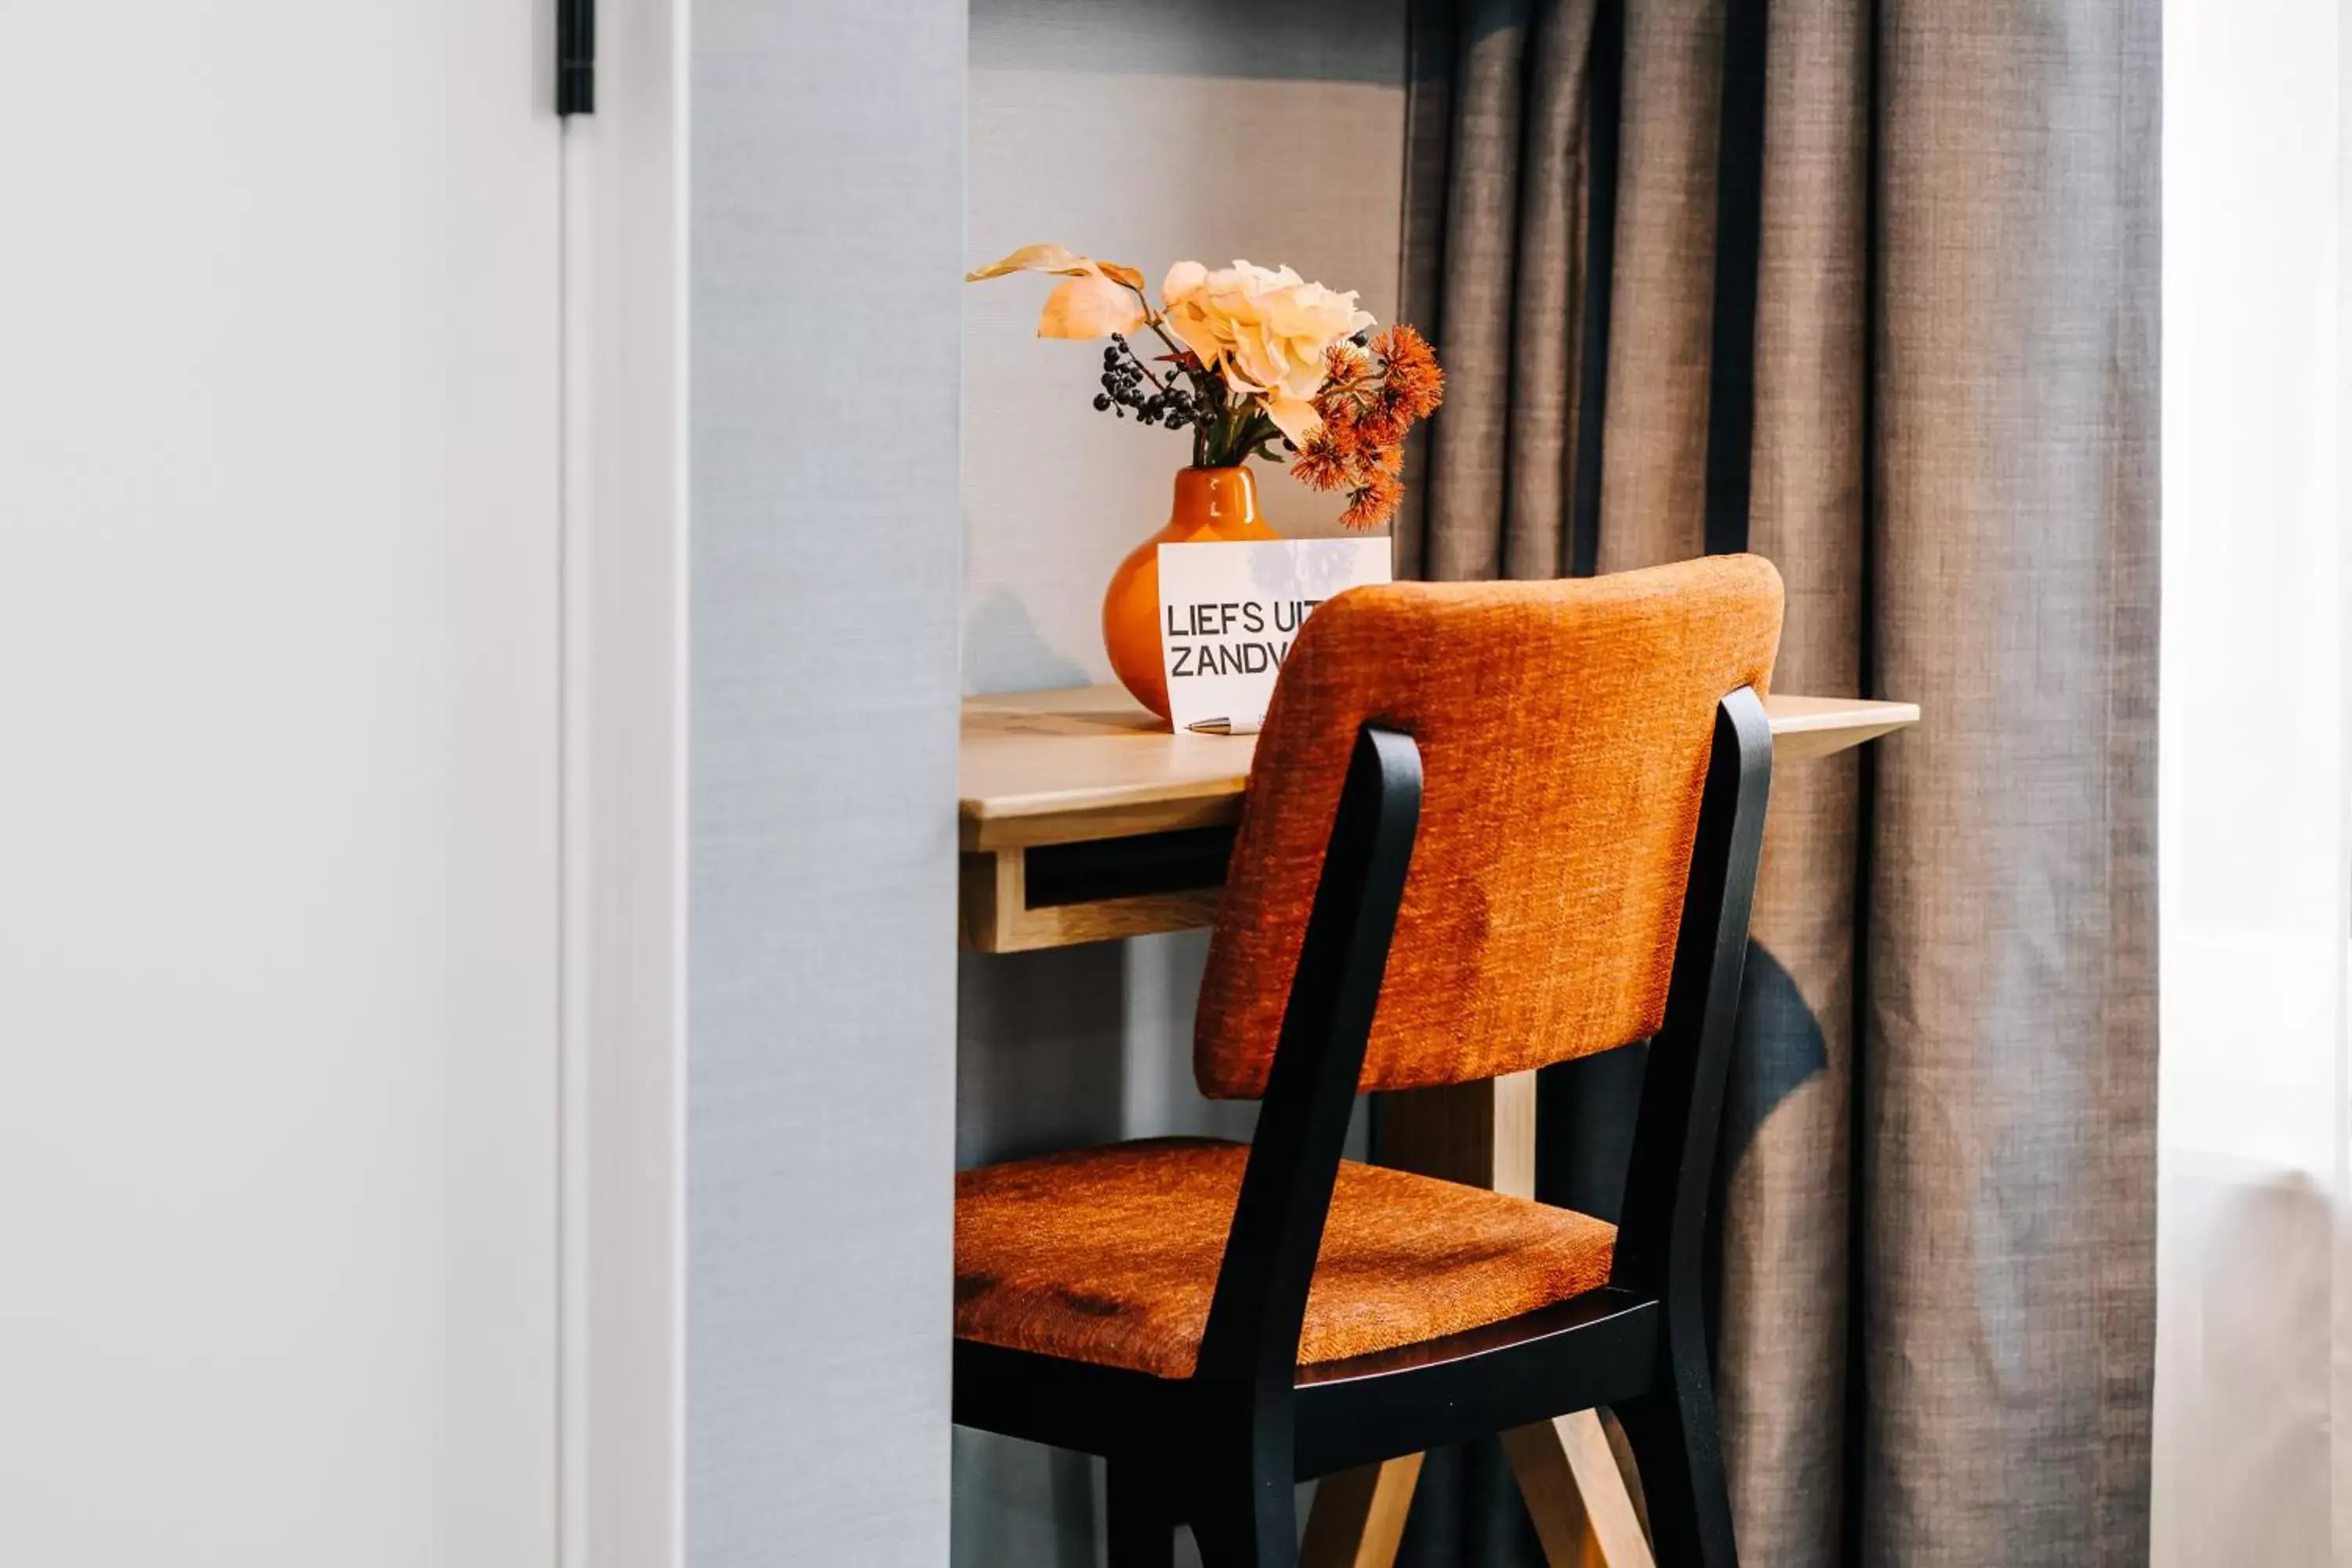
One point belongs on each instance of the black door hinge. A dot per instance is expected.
(575, 57)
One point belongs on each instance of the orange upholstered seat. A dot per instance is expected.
(1110, 1256)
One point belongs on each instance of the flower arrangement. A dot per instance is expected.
(1259, 364)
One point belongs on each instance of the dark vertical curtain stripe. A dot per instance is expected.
(1540, 456)
(1469, 454)
(1738, 232)
(1604, 115)
(1430, 45)
(1654, 468)
(1855, 1408)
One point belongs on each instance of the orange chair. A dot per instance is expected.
(1490, 828)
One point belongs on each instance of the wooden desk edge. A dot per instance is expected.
(1802, 727)
(1076, 816)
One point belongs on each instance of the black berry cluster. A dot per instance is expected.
(1129, 385)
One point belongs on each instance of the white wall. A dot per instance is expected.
(278, 589)
(826, 203)
(1141, 132)
(2253, 1407)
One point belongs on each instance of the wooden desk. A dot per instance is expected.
(1082, 819)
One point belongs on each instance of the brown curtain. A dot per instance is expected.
(1936, 1301)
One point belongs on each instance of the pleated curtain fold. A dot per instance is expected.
(1937, 1283)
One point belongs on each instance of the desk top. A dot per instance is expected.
(1087, 763)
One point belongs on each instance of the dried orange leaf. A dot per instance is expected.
(1061, 260)
(1035, 259)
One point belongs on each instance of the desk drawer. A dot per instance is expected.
(1054, 895)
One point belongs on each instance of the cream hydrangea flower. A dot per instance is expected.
(1265, 329)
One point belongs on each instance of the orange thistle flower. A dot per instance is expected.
(1346, 368)
(1340, 413)
(1371, 396)
(1381, 424)
(1412, 376)
(1374, 502)
(1320, 464)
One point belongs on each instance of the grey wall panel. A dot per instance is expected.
(826, 185)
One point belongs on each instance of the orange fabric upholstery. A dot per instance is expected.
(1111, 1254)
(1564, 729)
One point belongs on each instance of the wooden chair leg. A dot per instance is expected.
(1679, 1452)
(1358, 1519)
(1576, 1495)
(1142, 1522)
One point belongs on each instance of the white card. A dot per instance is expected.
(1228, 614)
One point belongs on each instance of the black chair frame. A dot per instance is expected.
(1223, 1449)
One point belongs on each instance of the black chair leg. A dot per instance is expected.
(1679, 1450)
(1142, 1523)
(1252, 1521)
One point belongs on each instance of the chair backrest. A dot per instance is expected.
(1564, 729)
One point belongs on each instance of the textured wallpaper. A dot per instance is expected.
(827, 234)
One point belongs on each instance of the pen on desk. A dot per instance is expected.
(1224, 726)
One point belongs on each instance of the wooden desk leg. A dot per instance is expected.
(1576, 1494)
(1483, 1134)
(1358, 1519)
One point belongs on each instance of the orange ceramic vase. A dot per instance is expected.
(1211, 504)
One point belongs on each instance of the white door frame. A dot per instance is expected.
(623, 1314)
